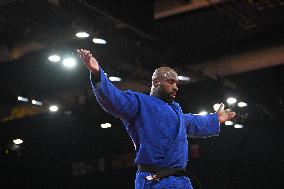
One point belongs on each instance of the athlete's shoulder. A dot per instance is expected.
(137, 93)
(177, 105)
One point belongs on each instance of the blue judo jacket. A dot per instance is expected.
(158, 129)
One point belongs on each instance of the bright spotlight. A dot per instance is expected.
(23, 99)
(229, 123)
(18, 141)
(238, 126)
(54, 58)
(242, 104)
(36, 102)
(69, 62)
(115, 79)
(203, 113)
(99, 41)
(183, 78)
(53, 108)
(231, 100)
(216, 107)
(105, 125)
(82, 35)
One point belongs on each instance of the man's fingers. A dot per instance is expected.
(89, 56)
(231, 115)
(78, 53)
(85, 55)
(227, 110)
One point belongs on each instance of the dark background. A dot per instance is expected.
(69, 149)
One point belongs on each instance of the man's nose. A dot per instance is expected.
(175, 88)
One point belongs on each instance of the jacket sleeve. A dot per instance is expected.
(114, 101)
(202, 125)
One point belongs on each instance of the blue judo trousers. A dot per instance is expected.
(158, 130)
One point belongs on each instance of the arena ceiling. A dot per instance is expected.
(203, 39)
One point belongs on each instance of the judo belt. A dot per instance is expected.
(157, 173)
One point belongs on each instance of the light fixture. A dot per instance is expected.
(54, 58)
(242, 104)
(203, 113)
(183, 78)
(53, 108)
(229, 123)
(99, 41)
(231, 100)
(115, 79)
(23, 99)
(105, 125)
(216, 106)
(36, 102)
(69, 62)
(238, 126)
(82, 35)
(18, 141)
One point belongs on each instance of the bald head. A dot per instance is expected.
(164, 72)
(164, 83)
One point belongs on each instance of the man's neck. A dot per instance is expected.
(153, 93)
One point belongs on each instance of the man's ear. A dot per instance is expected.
(156, 83)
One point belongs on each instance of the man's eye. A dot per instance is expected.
(171, 82)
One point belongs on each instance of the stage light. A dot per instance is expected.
(242, 104)
(229, 123)
(183, 78)
(115, 79)
(105, 125)
(53, 108)
(99, 41)
(20, 98)
(216, 107)
(238, 126)
(203, 113)
(36, 102)
(69, 62)
(54, 58)
(18, 141)
(82, 35)
(231, 100)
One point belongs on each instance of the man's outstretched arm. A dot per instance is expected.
(118, 103)
(207, 125)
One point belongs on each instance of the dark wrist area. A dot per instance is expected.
(95, 76)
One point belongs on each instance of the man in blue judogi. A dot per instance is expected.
(156, 125)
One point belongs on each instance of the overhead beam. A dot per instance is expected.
(55, 2)
(172, 7)
(133, 85)
(18, 51)
(241, 63)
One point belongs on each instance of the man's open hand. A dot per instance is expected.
(225, 115)
(89, 61)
